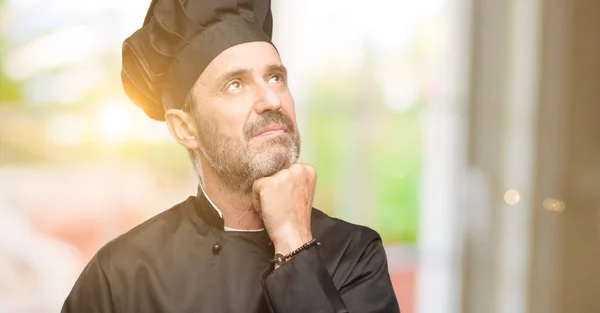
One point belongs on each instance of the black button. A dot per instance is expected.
(216, 248)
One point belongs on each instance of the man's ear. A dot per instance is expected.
(182, 128)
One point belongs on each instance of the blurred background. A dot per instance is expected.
(466, 132)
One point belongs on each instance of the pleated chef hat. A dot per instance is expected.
(179, 38)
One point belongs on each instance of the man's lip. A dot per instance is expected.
(271, 128)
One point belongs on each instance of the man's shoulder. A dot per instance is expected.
(338, 231)
(147, 236)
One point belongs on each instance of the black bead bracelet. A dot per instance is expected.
(280, 259)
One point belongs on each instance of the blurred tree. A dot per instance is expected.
(10, 90)
(368, 156)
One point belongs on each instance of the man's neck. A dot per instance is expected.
(235, 207)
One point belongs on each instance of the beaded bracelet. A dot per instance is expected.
(280, 259)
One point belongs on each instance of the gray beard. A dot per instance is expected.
(238, 165)
(239, 169)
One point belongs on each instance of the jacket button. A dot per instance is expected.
(216, 248)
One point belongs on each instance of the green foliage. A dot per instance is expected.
(10, 90)
(396, 167)
(384, 165)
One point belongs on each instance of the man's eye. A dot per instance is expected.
(275, 79)
(234, 86)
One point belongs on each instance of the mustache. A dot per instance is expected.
(265, 120)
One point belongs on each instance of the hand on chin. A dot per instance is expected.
(284, 203)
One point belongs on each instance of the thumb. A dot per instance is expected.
(256, 187)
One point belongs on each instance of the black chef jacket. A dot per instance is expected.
(182, 261)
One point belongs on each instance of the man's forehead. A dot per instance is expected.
(253, 56)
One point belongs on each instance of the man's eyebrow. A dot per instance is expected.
(277, 68)
(231, 75)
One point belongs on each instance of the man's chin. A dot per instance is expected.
(269, 162)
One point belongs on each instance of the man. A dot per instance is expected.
(250, 240)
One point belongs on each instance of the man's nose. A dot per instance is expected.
(268, 100)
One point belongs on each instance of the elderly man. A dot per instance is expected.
(250, 240)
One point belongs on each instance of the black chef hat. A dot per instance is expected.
(179, 38)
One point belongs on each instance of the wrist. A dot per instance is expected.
(280, 259)
(288, 240)
(289, 244)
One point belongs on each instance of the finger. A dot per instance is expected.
(256, 188)
(303, 168)
(257, 206)
(311, 172)
(297, 168)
